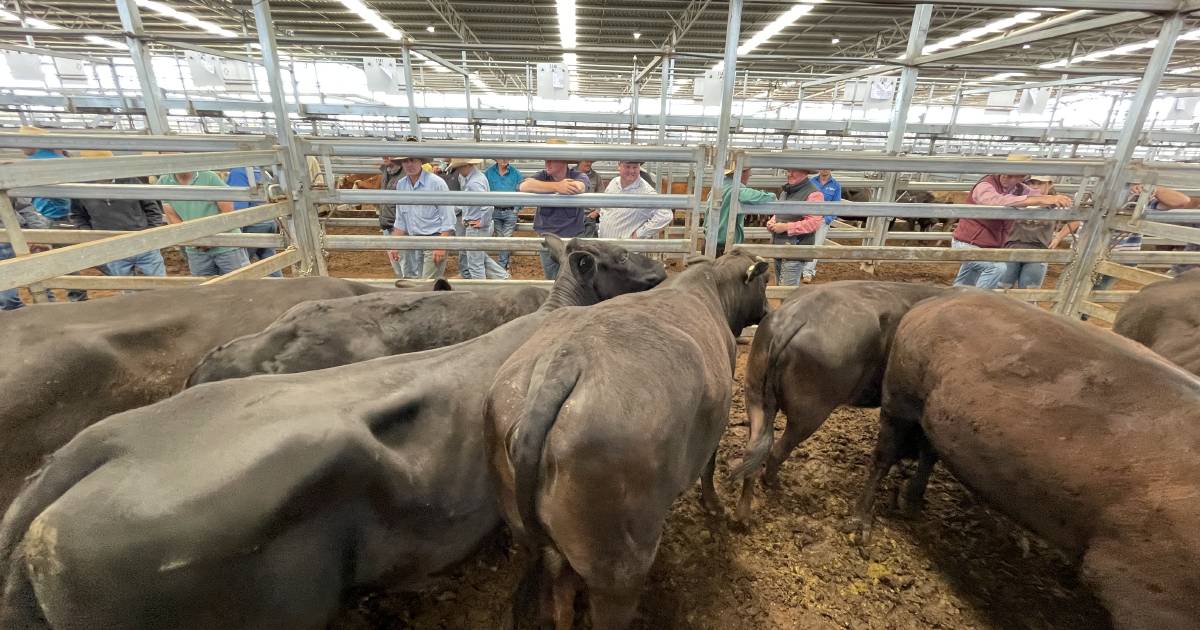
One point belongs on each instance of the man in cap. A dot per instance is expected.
(795, 229)
(423, 219)
(477, 221)
(124, 215)
(241, 178)
(564, 222)
(746, 195)
(632, 222)
(1000, 189)
(55, 210)
(832, 190)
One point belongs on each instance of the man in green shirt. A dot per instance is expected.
(746, 195)
(203, 261)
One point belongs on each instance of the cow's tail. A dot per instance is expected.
(18, 603)
(774, 334)
(552, 381)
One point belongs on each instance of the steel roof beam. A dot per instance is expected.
(1157, 6)
(1036, 36)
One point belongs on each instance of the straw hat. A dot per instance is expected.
(556, 141)
(1041, 178)
(1018, 157)
(457, 162)
(28, 130)
(92, 153)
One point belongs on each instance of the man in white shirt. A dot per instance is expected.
(632, 222)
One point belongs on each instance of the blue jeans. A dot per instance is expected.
(478, 265)
(1023, 275)
(149, 264)
(10, 300)
(260, 253)
(208, 263)
(810, 266)
(789, 272)
(1181, 268)
(977, 273)
(504, 220)
(549, 265)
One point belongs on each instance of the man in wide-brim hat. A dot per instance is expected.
(476, 221)
(425, 219)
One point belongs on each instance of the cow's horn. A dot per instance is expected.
(750, 272)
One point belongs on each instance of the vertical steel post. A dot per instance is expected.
(467, 90)
(664, 89)
(528, 101)
(294, 174)
(1078, 283)
(131, 21)
(414, 119)
(735, 206)
(877, 226)
(733, 29)
(633, 104)
(958, 94)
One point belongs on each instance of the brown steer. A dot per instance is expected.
(1165, 317)
(1086, 438)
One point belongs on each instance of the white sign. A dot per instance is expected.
(24, 67)
(1003, 98)
(206, 70)
(70, 71)
(881, 92)
(709, 87)
(1184, 108)
(856, 90)
(1034, 100)
(383, 75)
(553, 81)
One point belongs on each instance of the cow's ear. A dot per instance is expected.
(558, 249)
(442, 284)
(583, 265)
(756, 270)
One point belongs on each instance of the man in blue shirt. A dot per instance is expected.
(55, 210)
(477, 221)
(238, 177)
(832, 190)
(566, 223)
(423, 219)
(504, 178)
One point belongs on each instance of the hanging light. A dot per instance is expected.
(1026, 46)
(637, 35)
(429, 28)
(835, 39)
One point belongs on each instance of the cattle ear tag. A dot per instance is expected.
(756, 270)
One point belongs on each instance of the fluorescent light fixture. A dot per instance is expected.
(368, 15)
(1003, 76)
(1127, 49)
(1026, 46)
(44, 25)
(479, 83)
(637, 35)
(437, 67)
(566, 23)
(1186, 70)
(987, 29)
(835, 40)
(429, 28)
(786, 19)
(186, 18)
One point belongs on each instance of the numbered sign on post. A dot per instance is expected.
(205, 69)
(383, 75)
(553, 81)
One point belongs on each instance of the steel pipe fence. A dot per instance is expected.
(74, 237)
(487, 243)
(28, 173)
(141, 191)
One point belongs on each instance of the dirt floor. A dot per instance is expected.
(959, 565)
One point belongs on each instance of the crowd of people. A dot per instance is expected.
(561, 177)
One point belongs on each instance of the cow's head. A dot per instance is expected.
(739, 281)
(617, 270)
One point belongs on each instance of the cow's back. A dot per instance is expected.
(1031, 410)
(68, 366)
(1165, 317)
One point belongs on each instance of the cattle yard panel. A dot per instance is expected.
(1158, 224)
(326, 149)
(55, 178)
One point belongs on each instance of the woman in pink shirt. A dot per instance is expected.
(995, 190)
(795, 229)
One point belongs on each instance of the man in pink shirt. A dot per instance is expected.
(995, 190)
(795, 229)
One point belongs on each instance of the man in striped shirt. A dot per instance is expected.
(632, 222)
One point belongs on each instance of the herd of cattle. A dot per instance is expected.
(331, 436)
